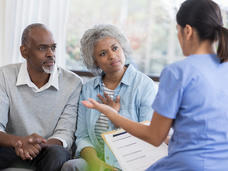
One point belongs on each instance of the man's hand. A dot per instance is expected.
(108, 101)
(36, 139)
(52, 141)
(29, 147)
(18, 147)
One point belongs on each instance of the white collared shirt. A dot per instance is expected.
(24, 79)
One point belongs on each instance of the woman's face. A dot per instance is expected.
(109, 55)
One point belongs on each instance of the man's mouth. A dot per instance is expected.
(49, 63)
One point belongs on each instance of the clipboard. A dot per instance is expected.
(133, 154)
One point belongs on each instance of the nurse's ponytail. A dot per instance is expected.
(222, 50)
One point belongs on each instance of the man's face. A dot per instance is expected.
(40, 51)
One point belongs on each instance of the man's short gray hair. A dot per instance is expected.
(28, 29)
(91, 36)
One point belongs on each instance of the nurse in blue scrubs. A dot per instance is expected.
(192, 96)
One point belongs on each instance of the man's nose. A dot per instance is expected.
(50, 52)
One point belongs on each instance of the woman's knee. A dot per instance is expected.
(75, 165)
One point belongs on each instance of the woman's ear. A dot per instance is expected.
(188, 31)
(95, 63)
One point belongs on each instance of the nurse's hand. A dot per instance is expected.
(103, 108)
(108, 101)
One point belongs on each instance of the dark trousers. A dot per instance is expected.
(49, 159)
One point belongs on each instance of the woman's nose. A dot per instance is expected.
(111, 55)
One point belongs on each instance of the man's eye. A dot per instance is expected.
(43, 48)
(53, 48)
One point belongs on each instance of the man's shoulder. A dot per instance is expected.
(10, 67)
(10, 70)
(68, 75)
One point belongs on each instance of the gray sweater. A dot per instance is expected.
(50, 113)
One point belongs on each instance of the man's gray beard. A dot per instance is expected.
(48, 70)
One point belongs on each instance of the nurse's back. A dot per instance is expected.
(201, 124)
(194, 92)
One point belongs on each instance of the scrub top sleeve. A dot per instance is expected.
(170, 92)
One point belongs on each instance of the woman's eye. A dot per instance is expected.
(102, 54)
(115, 48)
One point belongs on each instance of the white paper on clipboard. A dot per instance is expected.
(132, 153)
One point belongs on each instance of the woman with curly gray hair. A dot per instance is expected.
(104, 50)
(92, 36)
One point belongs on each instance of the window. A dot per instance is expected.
(150, 25)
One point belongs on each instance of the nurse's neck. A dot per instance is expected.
(203, 47)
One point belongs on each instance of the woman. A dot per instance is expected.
(192, 96)
(104, 50)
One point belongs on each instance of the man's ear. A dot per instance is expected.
(24, 51)
(188, 30)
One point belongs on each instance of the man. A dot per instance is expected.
(38, 103)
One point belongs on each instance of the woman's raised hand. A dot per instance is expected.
(108, 101)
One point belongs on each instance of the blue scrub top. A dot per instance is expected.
(194, 93)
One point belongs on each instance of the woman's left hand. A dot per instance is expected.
(108, 101)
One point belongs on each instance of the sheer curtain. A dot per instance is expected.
(15, 15)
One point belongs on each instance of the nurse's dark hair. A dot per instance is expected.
(205, 16)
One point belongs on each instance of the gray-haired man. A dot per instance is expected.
(38, 103)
